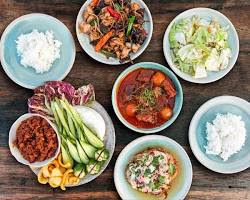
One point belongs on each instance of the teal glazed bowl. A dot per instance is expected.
(197, 134)
(179, 187)
(27, 77)
(178, 99)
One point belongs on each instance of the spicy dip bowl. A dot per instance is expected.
(16, 152)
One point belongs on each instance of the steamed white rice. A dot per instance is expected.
(225, 135)
(38, 50)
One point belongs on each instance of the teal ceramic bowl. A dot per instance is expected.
(180, 185)
(27, 77)
(197, 134)
(178, 99)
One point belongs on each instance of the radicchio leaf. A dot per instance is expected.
(43, 95)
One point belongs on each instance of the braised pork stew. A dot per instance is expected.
(146, 98)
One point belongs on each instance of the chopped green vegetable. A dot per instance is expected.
(83, 156)
(147, 172)
(66, 157)
(79, 167)
(161, 179)
(131, 21)
(89, 149)
(101, 155)
(171, 169)
(73, 151)
(117, 6)
(108, 54)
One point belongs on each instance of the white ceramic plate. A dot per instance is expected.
(89, 49)
(109, 141)
(197, 134)
(14, 150)
(233, 42)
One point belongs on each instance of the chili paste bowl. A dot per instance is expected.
(178, 98)
(15, 151)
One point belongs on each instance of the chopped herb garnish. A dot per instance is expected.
(155, 161)
(171, 169)
(161, 179)
(147, 172)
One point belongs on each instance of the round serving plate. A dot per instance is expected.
(197, 134)
(27, 77)
(109, 141)
(90, 50)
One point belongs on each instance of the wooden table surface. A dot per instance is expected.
(18, 182)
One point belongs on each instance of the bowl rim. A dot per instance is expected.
(185, 76)
(9, 29)
(12, 132)
(116, 62)
(208, 163)
(116, 87)
(144, 139)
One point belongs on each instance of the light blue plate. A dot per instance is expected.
(197, 134)
(179, 187)
(178, 99)
(27, 77)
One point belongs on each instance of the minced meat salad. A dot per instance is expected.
(36, 139)
(152, 171)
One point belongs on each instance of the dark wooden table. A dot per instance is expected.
(18, 182)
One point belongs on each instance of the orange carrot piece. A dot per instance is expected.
(103, 40)
(94, 3)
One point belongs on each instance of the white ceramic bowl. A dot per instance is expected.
(14, 150)
(233, 43)
(89, 49)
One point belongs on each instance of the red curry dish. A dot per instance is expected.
(146, 98)
(36, 139)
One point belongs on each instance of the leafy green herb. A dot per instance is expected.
(93, 22)
(148, 96)
(117, 6)
(147, 172)
(161, 179)
(171, 169)
(155, 161)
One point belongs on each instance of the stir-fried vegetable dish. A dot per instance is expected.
(146, 98)
(115, 27)
(199, 45)
(152, 171)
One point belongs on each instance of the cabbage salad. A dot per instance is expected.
(199, 45)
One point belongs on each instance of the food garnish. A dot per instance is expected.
(36, 139)
(199, 45)
(38, 50)
(58, 174)
(115, 28)
(152, 171)
(81, 147)
(146, 98)
(226, 135)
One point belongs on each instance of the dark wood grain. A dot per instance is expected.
(18, 182)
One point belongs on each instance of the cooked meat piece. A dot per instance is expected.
(87, 12)
(90, 18)
(107, 2)
(135, 6)
(94, 36)
(148, 118)
(84, 27)
(128, 91)
(145, 75)
(168, 87)
(171, 102)
(162, 101)
(125, 52)
(135, 47)
(157, 92)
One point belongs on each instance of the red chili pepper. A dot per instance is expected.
(113, 13)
